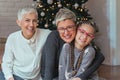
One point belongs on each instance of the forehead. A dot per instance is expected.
(87, 28)
(65, 23)
(30, 15)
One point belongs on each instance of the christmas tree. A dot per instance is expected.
(47, 10)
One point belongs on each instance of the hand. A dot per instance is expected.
(75, 79)
(11, 78)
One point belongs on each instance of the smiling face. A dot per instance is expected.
(28, 24)
(67, 30)
(85, 34)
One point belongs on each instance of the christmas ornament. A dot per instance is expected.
(46, 25)
(59, 4)
(42, 14)
(76, 5)
(49, 1)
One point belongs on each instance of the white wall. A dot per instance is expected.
(118, 31)
(8, 15)
(98, 10)
(106, 15)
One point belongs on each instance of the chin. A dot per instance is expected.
(68, 41)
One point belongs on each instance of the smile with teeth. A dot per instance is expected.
(67, 37)
(81, 40)
(30, 28)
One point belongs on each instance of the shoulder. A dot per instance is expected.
(90, 49)
(66, 45)
(65, 49)
(54, 36)
(54, 33)
(14, 35)
(43, 31)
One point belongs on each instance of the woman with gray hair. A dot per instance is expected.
(66, 30)
(22, 56)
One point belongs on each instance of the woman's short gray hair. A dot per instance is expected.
(64, 14)
(23, 11)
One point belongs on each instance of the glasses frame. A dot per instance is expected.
(83, 32)
(68, 28)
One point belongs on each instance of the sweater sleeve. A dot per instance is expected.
(7, 63)
(99, 58)
(88, 57)
(63, 61)
(50, 55)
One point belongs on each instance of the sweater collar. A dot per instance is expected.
(31, 40)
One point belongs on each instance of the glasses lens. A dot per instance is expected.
(68, 28)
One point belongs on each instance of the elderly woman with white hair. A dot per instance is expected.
(21, 60)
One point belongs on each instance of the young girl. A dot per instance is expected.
(77, 56)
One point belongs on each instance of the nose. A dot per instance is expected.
(84, 35)
(65, 31)
(31, 23)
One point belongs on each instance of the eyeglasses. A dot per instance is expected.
(68, 28)
(85, 33)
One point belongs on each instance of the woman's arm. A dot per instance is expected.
(88, 57)
(99, 58)
(7, 61)
(50, 56)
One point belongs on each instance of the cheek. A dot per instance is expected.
(36, 25)
(23, 24)
(23, 27)
(73, 33)
(78, 35)
(88, 41)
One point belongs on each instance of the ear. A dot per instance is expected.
(18, 22)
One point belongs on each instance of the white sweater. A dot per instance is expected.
(22, 57)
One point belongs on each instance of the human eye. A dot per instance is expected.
(35, 21)
(70, 28)
(82, 31)
(27, 20)
(91, 35)
(60, 28)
